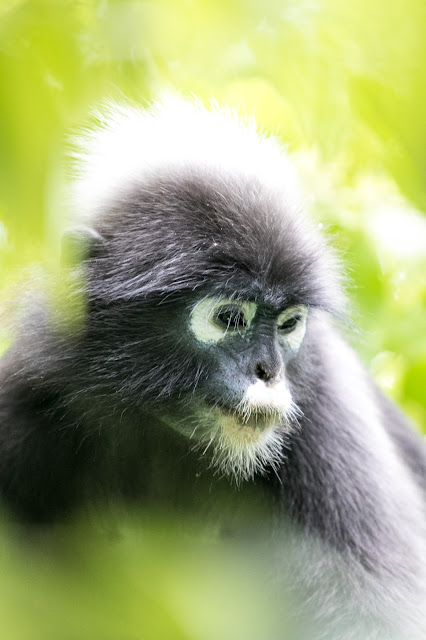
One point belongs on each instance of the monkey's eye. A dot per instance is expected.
(212, 319)
(230, 318)
(291, 325)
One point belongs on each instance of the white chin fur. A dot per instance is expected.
(248, 441)
(241, 450)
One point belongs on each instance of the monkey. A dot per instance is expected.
(211, 359)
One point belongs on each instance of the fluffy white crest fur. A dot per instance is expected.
(130, 144)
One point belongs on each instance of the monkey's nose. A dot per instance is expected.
(265, 373)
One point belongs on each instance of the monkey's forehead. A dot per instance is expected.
(175, 236)
(129, 145)
(188, 195)
(191, 229)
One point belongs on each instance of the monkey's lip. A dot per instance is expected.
(256, 419)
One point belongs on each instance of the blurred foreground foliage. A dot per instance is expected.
(146, 578)
(342, 85)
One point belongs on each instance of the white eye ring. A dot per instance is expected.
(206, 325)
(292, 332)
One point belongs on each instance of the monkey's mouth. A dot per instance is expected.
(259, 419)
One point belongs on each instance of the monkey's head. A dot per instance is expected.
(202, 279)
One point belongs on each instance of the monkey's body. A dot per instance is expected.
(208, 351)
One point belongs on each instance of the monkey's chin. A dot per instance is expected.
(242, 446)
(238, 445)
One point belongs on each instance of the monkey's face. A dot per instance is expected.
(200, 298)
(242, 407)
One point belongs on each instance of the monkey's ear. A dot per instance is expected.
(80, 243)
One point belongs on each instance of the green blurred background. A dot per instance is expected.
(342, 85)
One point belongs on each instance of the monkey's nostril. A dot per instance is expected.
(262, 373)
